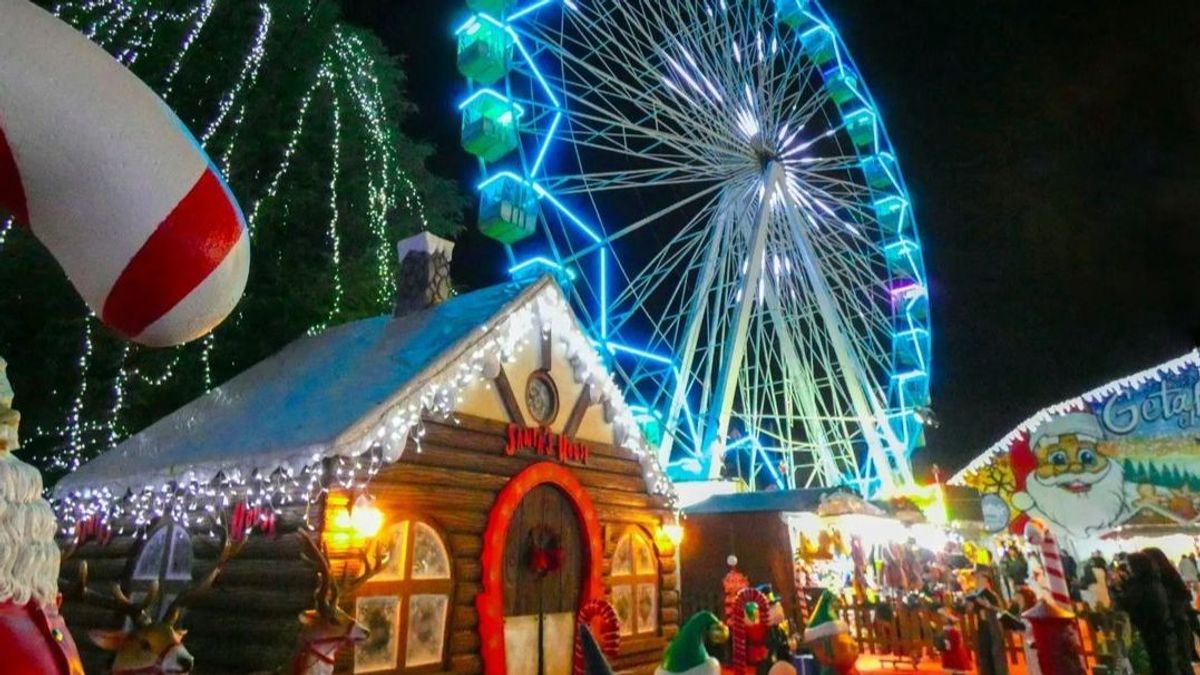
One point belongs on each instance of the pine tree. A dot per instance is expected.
(303, 113)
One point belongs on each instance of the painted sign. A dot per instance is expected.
(544, 442)
(1125, 454)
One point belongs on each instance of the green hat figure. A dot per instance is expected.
(829, 638)
(686, 654)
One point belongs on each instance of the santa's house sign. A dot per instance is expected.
(544, 442)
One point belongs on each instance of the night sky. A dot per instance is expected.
(1052, 151)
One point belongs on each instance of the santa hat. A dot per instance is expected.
(1081, 424)
(823, 622)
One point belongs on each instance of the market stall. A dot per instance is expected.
(1117, 468)
(478, 443)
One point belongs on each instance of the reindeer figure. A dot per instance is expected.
(151, 647)
(325, 630)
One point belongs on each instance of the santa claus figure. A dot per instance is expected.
(33, 636)
(1073, 485)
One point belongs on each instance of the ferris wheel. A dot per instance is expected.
(712, 183)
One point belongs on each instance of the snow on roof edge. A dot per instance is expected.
(1135, 380)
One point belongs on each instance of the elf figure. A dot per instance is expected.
(732, 584)
(955, 657)
(829, 639)
(686, 654)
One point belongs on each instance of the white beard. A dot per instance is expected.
(1080, 515)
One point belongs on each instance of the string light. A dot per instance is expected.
(355, 460)
(347, 70)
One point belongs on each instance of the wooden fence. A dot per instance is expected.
(910, 634)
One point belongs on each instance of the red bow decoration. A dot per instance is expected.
(92, 528)
(245, 519)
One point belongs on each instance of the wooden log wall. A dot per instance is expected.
(246, 623)
(454, 480)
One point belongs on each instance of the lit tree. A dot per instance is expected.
(302, 113)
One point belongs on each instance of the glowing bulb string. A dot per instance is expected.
(346, 61)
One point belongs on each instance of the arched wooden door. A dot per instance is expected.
(543, 583)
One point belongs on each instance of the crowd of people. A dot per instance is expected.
(1158, 596)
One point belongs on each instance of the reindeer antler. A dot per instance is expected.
(229, 549)
(117, 601)
(314, 552)
(329, 590)
(365, 574)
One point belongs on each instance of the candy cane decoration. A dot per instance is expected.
(107, 177)
(1041, 536)
(737, 622)
(609, 635)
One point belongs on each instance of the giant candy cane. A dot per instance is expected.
(1041, 536)
(106, 176)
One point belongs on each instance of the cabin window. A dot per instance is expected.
(406, 605)
(165, 558)
(635, 583)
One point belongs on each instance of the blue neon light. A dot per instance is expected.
(537, 164)
(493, 94)
(538, 261)
(498, 176)
(543, 193)
(476, 18)
(529, 59)
(603, 293)
(616, 347)
(532, 8)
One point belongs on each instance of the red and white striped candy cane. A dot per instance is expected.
(108, 178)
(1041, 536)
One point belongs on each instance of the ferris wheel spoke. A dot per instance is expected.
(766, 302)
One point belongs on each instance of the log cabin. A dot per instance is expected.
(511, 478)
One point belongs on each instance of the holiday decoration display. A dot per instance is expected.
(148, 232)
(301, 112)
(764, 134)
(33, 637)
(955, 657)
(545, 553)
(1119, 455)
(357, 455)
(327, 628)
(686, 654)
(151, 644)
(748, 627)
(1056, 634)
(829, 638)
(732, 584)
(598, 622)
(1052, 563)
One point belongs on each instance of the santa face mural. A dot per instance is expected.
(1125, 454)
(1075, 485)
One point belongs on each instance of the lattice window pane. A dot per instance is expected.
(426, 629)
(430, 560)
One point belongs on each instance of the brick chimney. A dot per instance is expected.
(423, 279)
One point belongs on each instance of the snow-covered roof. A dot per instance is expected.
(1156, 373)
(334, 394)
